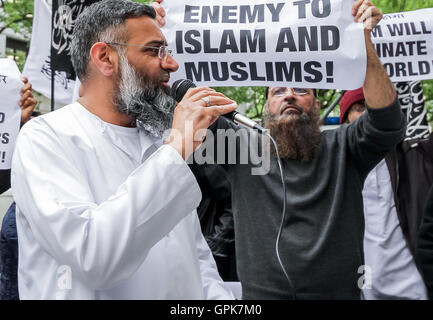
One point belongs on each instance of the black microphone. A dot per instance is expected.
(181, 86)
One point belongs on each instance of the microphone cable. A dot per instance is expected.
(277, 243)
(178, 90)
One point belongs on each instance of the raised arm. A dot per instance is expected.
(379, 91)
(383, 126)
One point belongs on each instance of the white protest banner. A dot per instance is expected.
(37, 67)
(10, 112)
(307, 43)
(404, 43)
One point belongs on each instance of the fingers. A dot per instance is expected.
(359, 6)
(28, 103)
(27, 98)
(195, 94)
(194, 109)
(215, 101)
(27, 107)
(215, 98)
(193, 91)
(366, 12)
(361, 9)
(356, 6)
(158, 8)
(26, 88)
(218, 110)
(25, 94)
(160, 13)
(371, 17)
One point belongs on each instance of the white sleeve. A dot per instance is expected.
(106, 243)
(213, 285)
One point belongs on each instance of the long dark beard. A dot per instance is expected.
(147, 101)
(298, 136)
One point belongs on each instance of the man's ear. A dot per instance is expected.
(104, 58)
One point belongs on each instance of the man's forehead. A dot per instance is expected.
(144, 29)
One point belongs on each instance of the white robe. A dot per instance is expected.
(95, 224)
(391, 267)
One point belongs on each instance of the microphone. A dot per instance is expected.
(179, 89)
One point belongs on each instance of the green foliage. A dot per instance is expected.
(326, 97)
(17, 15)
(19, 57)
(428, 93)
(143, 1)
(253, 97)
(390, 6)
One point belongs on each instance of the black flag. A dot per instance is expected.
(411, 97)
(64, 15)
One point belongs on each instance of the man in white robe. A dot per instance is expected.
(105, 204)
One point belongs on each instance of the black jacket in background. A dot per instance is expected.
(425, 244)
(5, 180)
(216, 219)
(411, 170)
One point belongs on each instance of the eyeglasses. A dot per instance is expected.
(282, 91)
(163, 51)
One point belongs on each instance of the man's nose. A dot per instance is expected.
(169, 64)
(289, 95)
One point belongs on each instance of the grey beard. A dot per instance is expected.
(298, 136)
(149, 103)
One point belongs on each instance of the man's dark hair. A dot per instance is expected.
(102, 22)
(267, 93)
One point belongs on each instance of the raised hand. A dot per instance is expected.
(366, 12)
(27, 102)
(160, 12)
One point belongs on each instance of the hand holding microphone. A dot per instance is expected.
(179, 89)
(195, 112)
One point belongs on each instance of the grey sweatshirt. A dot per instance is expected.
(321, 245)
